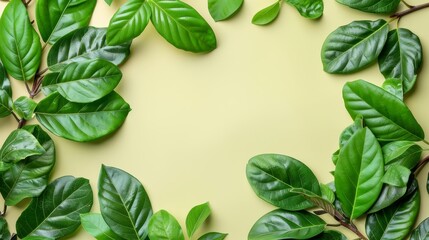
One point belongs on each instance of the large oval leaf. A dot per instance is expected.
(372, 6)
(267, 15)
(85, 44)
(389, 194)
(124, 203)
(273, 176)
(55, 213)
(281, 224)
(20, 48)
(223, 9)
(4, 81)
(5, 104)
(196, 218)
(308, 8)
(401, 57)
(82, 121)
(182, 26)
(358, 173)
(422, 231)
(354, 46)
(163, 225)
(95, 225)
(19, 145)
(387, 116)
(56, 18)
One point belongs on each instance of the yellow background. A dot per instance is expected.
(198, 118)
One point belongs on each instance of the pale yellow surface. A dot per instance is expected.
(197, 119)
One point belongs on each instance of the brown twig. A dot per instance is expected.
(411, 9)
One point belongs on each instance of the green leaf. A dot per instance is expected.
(55, 213)
(19, 145)
(84, 82)
(124, 203)
(354, 46)
(330, 235)
(24, 107)
(267, 15)
(372, 6)
(358, 173)
(182, 26)
(351, 130)
(224, 9)
(213, 236)
(335, 156)
(397, 176)
(404, 153)
(109, 2)
(327, 193)
(4, 81)
(422, 231)
(20, 48)
(387, 116)
(394, 222)
(395, 87)
(85, 44)
(317, 200)
(196, 218)
(5, 104)
(82, 121)
(163, 225)
(389, 194)
(281, 224)
(273, 176)
(311, 9)
(94, 224)
(128, 22)
(28, 178)
(56, 18)
(4, 229)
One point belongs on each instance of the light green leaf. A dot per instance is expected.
(94, 224)
(267, 15)
(4, 81)
(163, 225)
(24, 107)
(372, 6)
(311, 9)
(334, 157)
(330, 235)
(224, 9)
(422, 231)
(327, 193)
(397, 176)
(213, 236)
(395, 87)
(354, 46)
(404, 153)
(4, 229)
(109, 2)
(351, 130)
(196, 218)
(389, 194)
(19, 145)
(5, 104)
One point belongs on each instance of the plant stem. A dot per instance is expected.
(421, 164)
(349, 225)
(4, 210)
(410, 10)
(406, 4)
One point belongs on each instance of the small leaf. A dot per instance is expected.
(354, 46)
(5, 104)
(330, 235)
(327, 193)
(267, 15)
(196, 218)
(19, 145)
(351, 130)
(335, 156)
(404, 153)
(4, 229)
(317, 200)
(281, 224)
(213, 236)
(163, 225)
(24, 107)
(311, 9)
(422, 231)
(223, 9)
(389, 194)
(397, 176)
(372, 6)
(395, 87)
(94, 224)
(109, 2)
(4, 81)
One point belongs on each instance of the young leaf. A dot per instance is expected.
(327, 193)
(354, 46)
(422, 231)
(317, 200)
(109, 2)
(4, 81)
(82, 122)
(281, 224)
(389, 194)
(55, 213)
(267, 15)
(401, 57)
(397, 176)
(358, 173)
(182, 26)
(213, 236)
(94, 224)
(24, 107)
(372, 6)
(223, 9)
(124, 203)
(404, 153)
(56, 18)
(330, 235)
(311, 9)
(128, 22)
(273, 176)
(163, 225)
(20, 48)
(351, 130)
(19, 145)
(4, 229)
(196, 218)
(5, 104)
(85, 44)
(387, 116)
(84, 82)
(28, 178)
(395, 87)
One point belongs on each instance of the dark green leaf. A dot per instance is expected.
(351, 130)
(55, 213)
(267, 15)
(404, 153)
(401, 57)
(4, 81)
(163, 225)
(372, 6)
(311, 9)
(330, 235)
(84, 82)
(82, 121)
(389, 194)
(397, 176)
(223, 9)
(213, 236)
(20, 48)
(354, 46)
(85, 44)
(327, 193)
(395, 87)
(56, 18)
(19, 145)
(422, 231)
(124, 203)
(95, 225)
(5, 104)
(24, 107)
(387, 116)
(281, 224)
(317, 200)
(358, 173)
(182, 26)
(272, 176)
(196, 218)
(4, 229)
(128, 22)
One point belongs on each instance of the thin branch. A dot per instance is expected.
(15, 116)
(406, 4)
(409, 10)
(421, 165)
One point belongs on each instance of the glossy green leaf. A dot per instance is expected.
(397, 176)
(311, 9)
(24, 107)
(281, 224)
(358, 173)
(394, 222)
(82, 121)
(19, 145)
(124, 203)
(56, 18)
(196, 217)
(422, 231)
(404, 153)
(94, 224)
(213, 236)
(163, 225)
(28, 178)
(85, 44)
(351, 130)
(109, 2)
(327, 193)
(317, 200)
(387, 116)
(84, 82)
(48, 83)
(5, 104)
(55, 213)
(128, 22)
(389, 194)
(395, 87)
(4, 229)
(272, 176)
(223, 9)
(335, 157)
(354, 46)
(372, 6)
(182, 26)
(330, 235)
(4, 81)
(267, 15)
(20, 48)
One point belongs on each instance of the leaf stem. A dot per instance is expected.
(410, 10)
(427, 143)
(15, 116)
(406, 4)
(421, 165)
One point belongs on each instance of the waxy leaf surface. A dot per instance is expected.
(163, 225)
(311, 9)
(223, 9)
(19, 145)
(267, 15)
(196, 217)
(94, 224)
(372, 6)
(422, 231)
